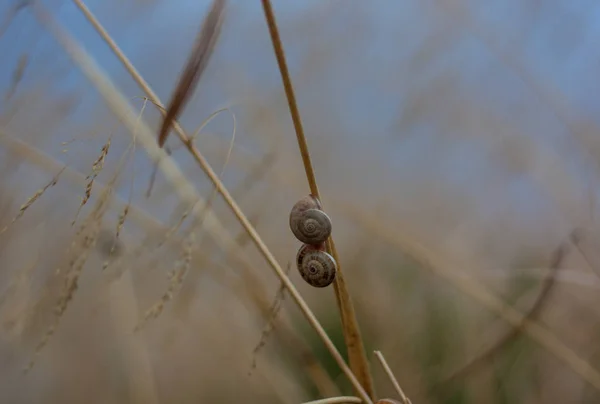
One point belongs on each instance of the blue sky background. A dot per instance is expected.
(445, 107)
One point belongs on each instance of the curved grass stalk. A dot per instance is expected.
(123, 110)
(248, 285)
(390, 375)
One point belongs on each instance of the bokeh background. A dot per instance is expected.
(467, 128)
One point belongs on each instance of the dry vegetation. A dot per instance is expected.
(457, 162)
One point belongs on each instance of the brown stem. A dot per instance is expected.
(354, 343)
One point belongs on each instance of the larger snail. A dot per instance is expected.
(316, 266)
(309, 223)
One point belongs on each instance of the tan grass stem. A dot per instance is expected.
(390, 375)
(121, 108)
(419, 253)
(216, 229)
(245, 157)
(354, 343)
(249, 284)
(289, 92)
(47, 162)
(336, 400)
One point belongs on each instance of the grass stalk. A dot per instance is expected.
(416, 251)
(390, 375)
(248, 285)
(336, 400)
(48, 163)
(122, 109)
(354, 343)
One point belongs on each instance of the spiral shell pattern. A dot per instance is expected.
(309, 224)
(316, 266)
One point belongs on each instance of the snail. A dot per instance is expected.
(308, 222)
(316, 266)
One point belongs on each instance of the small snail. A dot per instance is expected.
(316, 267)
(309, 223)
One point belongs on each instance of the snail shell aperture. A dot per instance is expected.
(316, 266)
(308, 223)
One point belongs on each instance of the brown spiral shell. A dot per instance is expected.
(309, 223)
(316, 266)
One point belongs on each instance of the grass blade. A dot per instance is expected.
(197, 62)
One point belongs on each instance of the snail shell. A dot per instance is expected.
(309, 223)
(316, 266)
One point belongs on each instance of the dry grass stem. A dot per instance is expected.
(79, 138)
(123, 215)
(97, 167)
(167, 149)
(204, 123)
(354, 343)
(200, 218)
(176, 278)
(336, 400)
(32, 199)
(390, 375)
(273, 312)
(178, 274)
(249, 284)
(78, 252)
(46, 162)
(119, 106)
(218, 231)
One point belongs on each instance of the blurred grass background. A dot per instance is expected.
(467, 126)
